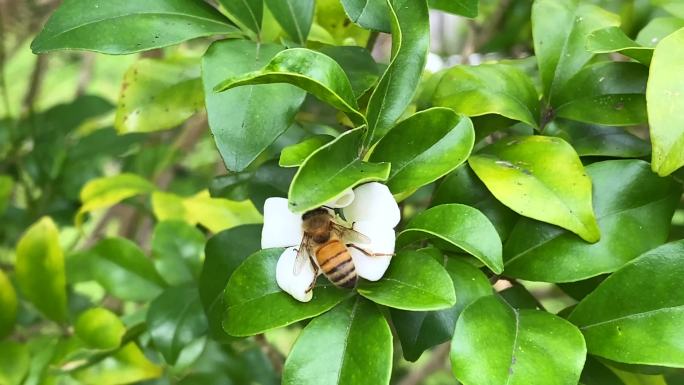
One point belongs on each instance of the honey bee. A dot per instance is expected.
(323, 245)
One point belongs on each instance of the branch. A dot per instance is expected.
(274, 356)
(435, 364)
(34, 85)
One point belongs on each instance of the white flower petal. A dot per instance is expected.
(282, 228)
(343, 200)
(373, 202)
(295, 285)
(382, 239)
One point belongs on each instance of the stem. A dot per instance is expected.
(274, 356)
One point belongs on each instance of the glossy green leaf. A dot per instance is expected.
(410, 44)
(595, 140)
(560, 29)
(665, 92)
(127, 365)
(610, 93)
(110, 190)
(674, 7)
(40, 269)
(596, 373)
(636, 315)
(177, 249)
(123, 28)
(419, 331)
(633, 206)
(224, 251)
(488, 89)
(255, 303)
(424, 147)
(310, 70)
(613, 39)
(270, 180)
(242, 125)
(6, 186)
(518, 297)
(332, 169)
(371, 14)
(495, 344)
(247, 12)
(159, 94)
(657, 29)
(15, 362)
(8, 305)
(99, 328)
(295, 155)
(351, 344)
(462, 226)
(467, 8)
(414, 281)
(295, 16)
(175, 320)
(358, 64)
(540, 177)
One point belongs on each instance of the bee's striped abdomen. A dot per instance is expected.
(336, 263)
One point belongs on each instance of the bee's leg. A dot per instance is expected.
(316, 274)
(368, 253)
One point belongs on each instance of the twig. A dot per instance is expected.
(274, 356)
(86, 73)
(35, 84)
(436, 363)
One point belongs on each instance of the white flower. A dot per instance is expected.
(370, 209)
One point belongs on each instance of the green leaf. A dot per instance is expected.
(124, 28)
(177, 249)
(424, 147)
(613, 39)
(159, 94)
(310, 70)
(467, 8)
(269, 180)
(332, 169)
(110, 190)
(8, 305)
(255, 303)
(595, 373)
(247, 12)
(99, 328)
(370, 14)
(560, 29)
(40, 269)
(628, 198)
(295, 16)
(419, 331)
(397, 86)
(495, 344)
(128, 365)
(225, 251)
(610, 93)
(414, 281)
(460, 225)
(175, 320)
(243, 128)
(6, 187)
(357, 63)
(15, 362)
(539, 177)
(665, 92)
(595, 140)
(641, 300)
(657, 29)
(488, 89)
(518, 297)
(295, 155)
(351, 344)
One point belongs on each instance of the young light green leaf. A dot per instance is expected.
(424, 147)
(370, 14)
(397, 86)
(657, 29)
(628, 198)
(665, 92)
(495, 344)
(614, 39)
(6, 186)
(242, 127)
(175, 320)
(99, 328)
(255, 303)
(310, 70)
(419, 331)
(8, 305)
(467, 8)
(177, 251)
(462, 226)
(595, 140)
(247, 12)
(124, 28)
(295, 155)
(414, 281)
(128, 365)
(158, 94)
(15, 362)
(620, 318)
(295, 16)
(540, 177)
(332, 169)
(351, 344)
(40, 269)
(560, 29)
(110, 190)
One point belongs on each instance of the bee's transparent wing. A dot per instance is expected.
(350, 235)
(302, 257)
